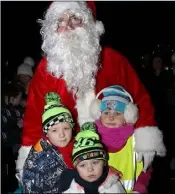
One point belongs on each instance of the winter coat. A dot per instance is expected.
(10, 132)
(112, 184)
(42, 169)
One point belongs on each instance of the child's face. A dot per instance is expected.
(90, 170)
(15, 101)
(112, 118)
(25, 79)
(60, 134)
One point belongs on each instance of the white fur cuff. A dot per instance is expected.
(149, 139)
(22, 156)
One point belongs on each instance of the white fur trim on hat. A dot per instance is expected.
(57, 8)
(149, 139)
(25, 69)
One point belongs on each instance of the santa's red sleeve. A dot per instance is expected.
(32, 130)
(118, 71)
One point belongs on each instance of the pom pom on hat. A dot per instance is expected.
(52, 98)
(100, 27)
(88, 145)
(115, 98)
(26, 67)
(86, 127)
(29, 61)
(55, 112)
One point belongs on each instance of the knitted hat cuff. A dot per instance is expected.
(89, 153)
(63, 117)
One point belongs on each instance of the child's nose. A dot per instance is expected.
(111, 116)
(90, 168)
(61, 133)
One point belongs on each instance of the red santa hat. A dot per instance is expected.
(26, 67)
(57, 8)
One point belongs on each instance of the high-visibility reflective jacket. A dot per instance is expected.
(125, 161)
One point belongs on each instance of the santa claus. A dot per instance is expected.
(76, 67)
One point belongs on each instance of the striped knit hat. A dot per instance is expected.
(55, 112)
(114, 98)
(88, 145)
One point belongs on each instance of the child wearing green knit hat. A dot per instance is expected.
(92, 174)
(55, 117)
(52, 154)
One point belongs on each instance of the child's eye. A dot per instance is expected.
(106, 113)
(66, 128)
(118, 113)
(82, 165)
(95, 162)
(54, 130)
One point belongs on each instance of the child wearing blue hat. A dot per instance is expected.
(115, 116)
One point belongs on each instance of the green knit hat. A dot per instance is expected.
(54, 112)
(88, 145)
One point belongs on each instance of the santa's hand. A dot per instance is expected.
(147, 158)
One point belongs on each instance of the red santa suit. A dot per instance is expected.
(114, 69)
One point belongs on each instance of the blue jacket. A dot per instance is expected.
(42, 169)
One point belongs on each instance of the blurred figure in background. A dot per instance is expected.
(11, 125)
(170, 112)
(22, 104)
(25, 72)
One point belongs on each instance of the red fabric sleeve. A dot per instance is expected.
(118, 70)
(143, 181)
(32, 130)
(139, 95)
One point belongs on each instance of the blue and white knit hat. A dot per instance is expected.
(115, 98)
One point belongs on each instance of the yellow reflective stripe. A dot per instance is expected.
(128, 184)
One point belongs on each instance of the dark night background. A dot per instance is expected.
(133, 28)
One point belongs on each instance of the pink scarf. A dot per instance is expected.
(114, 138)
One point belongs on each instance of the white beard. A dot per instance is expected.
(73, 56)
